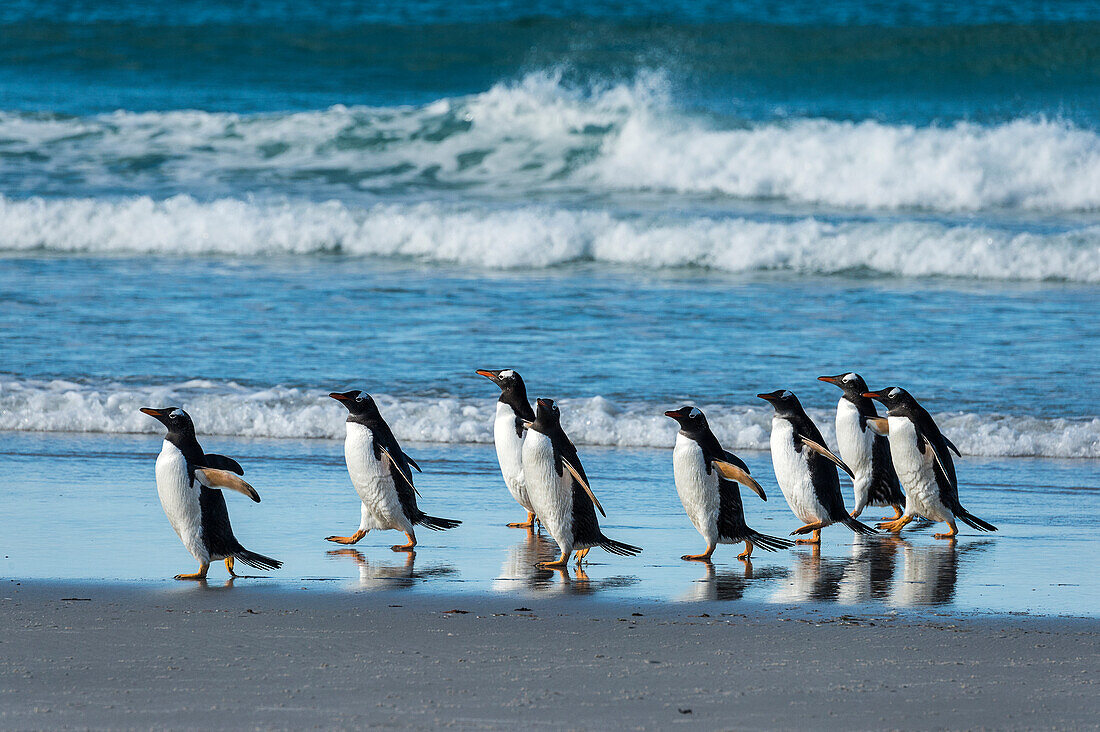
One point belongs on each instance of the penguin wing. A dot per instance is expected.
(951, 445)
(949, 489)
(413, 463)
(826, 485)
(571, 461)
(734, 468)
(214, 478)
(878, 425)
(221, 462)
(939, 453)
(401, 475)
(827, 454)
(521, 425)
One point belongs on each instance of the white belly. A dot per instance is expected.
(551, 495)
(373, 482)
(698, 491)
(856, 447)
(180, 500)
(916, 473)
(510, 453)
(792, 472)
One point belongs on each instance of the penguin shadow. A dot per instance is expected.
(729, 583)
(869, 571)
(377, 575)
(930, 573)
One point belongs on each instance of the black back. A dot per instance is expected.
(586, 527)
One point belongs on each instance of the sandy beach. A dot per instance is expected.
(103, 656)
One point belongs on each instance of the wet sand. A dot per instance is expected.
(79, 655)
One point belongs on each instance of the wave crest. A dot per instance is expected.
(285, 412)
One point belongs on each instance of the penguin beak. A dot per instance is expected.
(157, 414)
(490, 375)
(829, 379)
(543, 403)
(339, 397)
(673, 413)
(872, 395)
(766, 397)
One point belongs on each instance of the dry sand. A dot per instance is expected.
(247, 657)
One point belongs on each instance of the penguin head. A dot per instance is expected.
(359, 403)
(784, 401)
(894, 398)
(691, 419)
(547, 416)
(174, 418)
(851, 383)
(512, 389)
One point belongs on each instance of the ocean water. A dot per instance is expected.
(239, 207)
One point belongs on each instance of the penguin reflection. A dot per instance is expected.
(390, 575)
(870, 571)
(812, 579)
(728, 583)
(519, 564)
(931, 573)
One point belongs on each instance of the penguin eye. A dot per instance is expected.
(507, 374)
(786, 394)
(175, 414)
(850, 377)
(360, 398)
(893, 393)
(694, 413)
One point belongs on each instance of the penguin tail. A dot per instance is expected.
(259, 561)
(767, 543)
(617, 547)
(973, 521)
(857, 526)
(437, 524)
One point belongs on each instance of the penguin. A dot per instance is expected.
(559, 489)
(865, 452)
(188, 483)
(513, 413)
(381, 473)
(922, 457)
(705, 475)
(802, 467)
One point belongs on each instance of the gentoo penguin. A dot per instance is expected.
(381, 474)
(806, 469)
(188, 482)
(513, 413)
(704, 474)
(866, 452)
(922, 457)
(559, 489)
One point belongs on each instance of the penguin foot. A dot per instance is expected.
(855, 514)
(895, 526)
(897, 514)
(950, 535)
(560, 562)
(744, 556)
(581, 555)
(347, 539)
(411, 546)
(229, 566)
(200, 575)
(528, 524)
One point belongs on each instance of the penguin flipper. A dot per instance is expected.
(221, 462)
(741, 475)
(397, 468)
(214, 478)
(878, 425)
(951, 445)
(413, 463)
(828, 454)
(580, 478)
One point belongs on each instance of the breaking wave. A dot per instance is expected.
(540, 133)
(534, 237)
(285, 412)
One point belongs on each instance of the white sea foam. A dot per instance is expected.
(232, 409)
(533, 237)
(540, 133)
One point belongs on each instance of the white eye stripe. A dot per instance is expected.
(849, 377)
(786, 394)
(694, 413)
(894, 392)
(360, 398)
(176, 413)
(507, 374)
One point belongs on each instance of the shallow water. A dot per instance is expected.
(85, 507)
